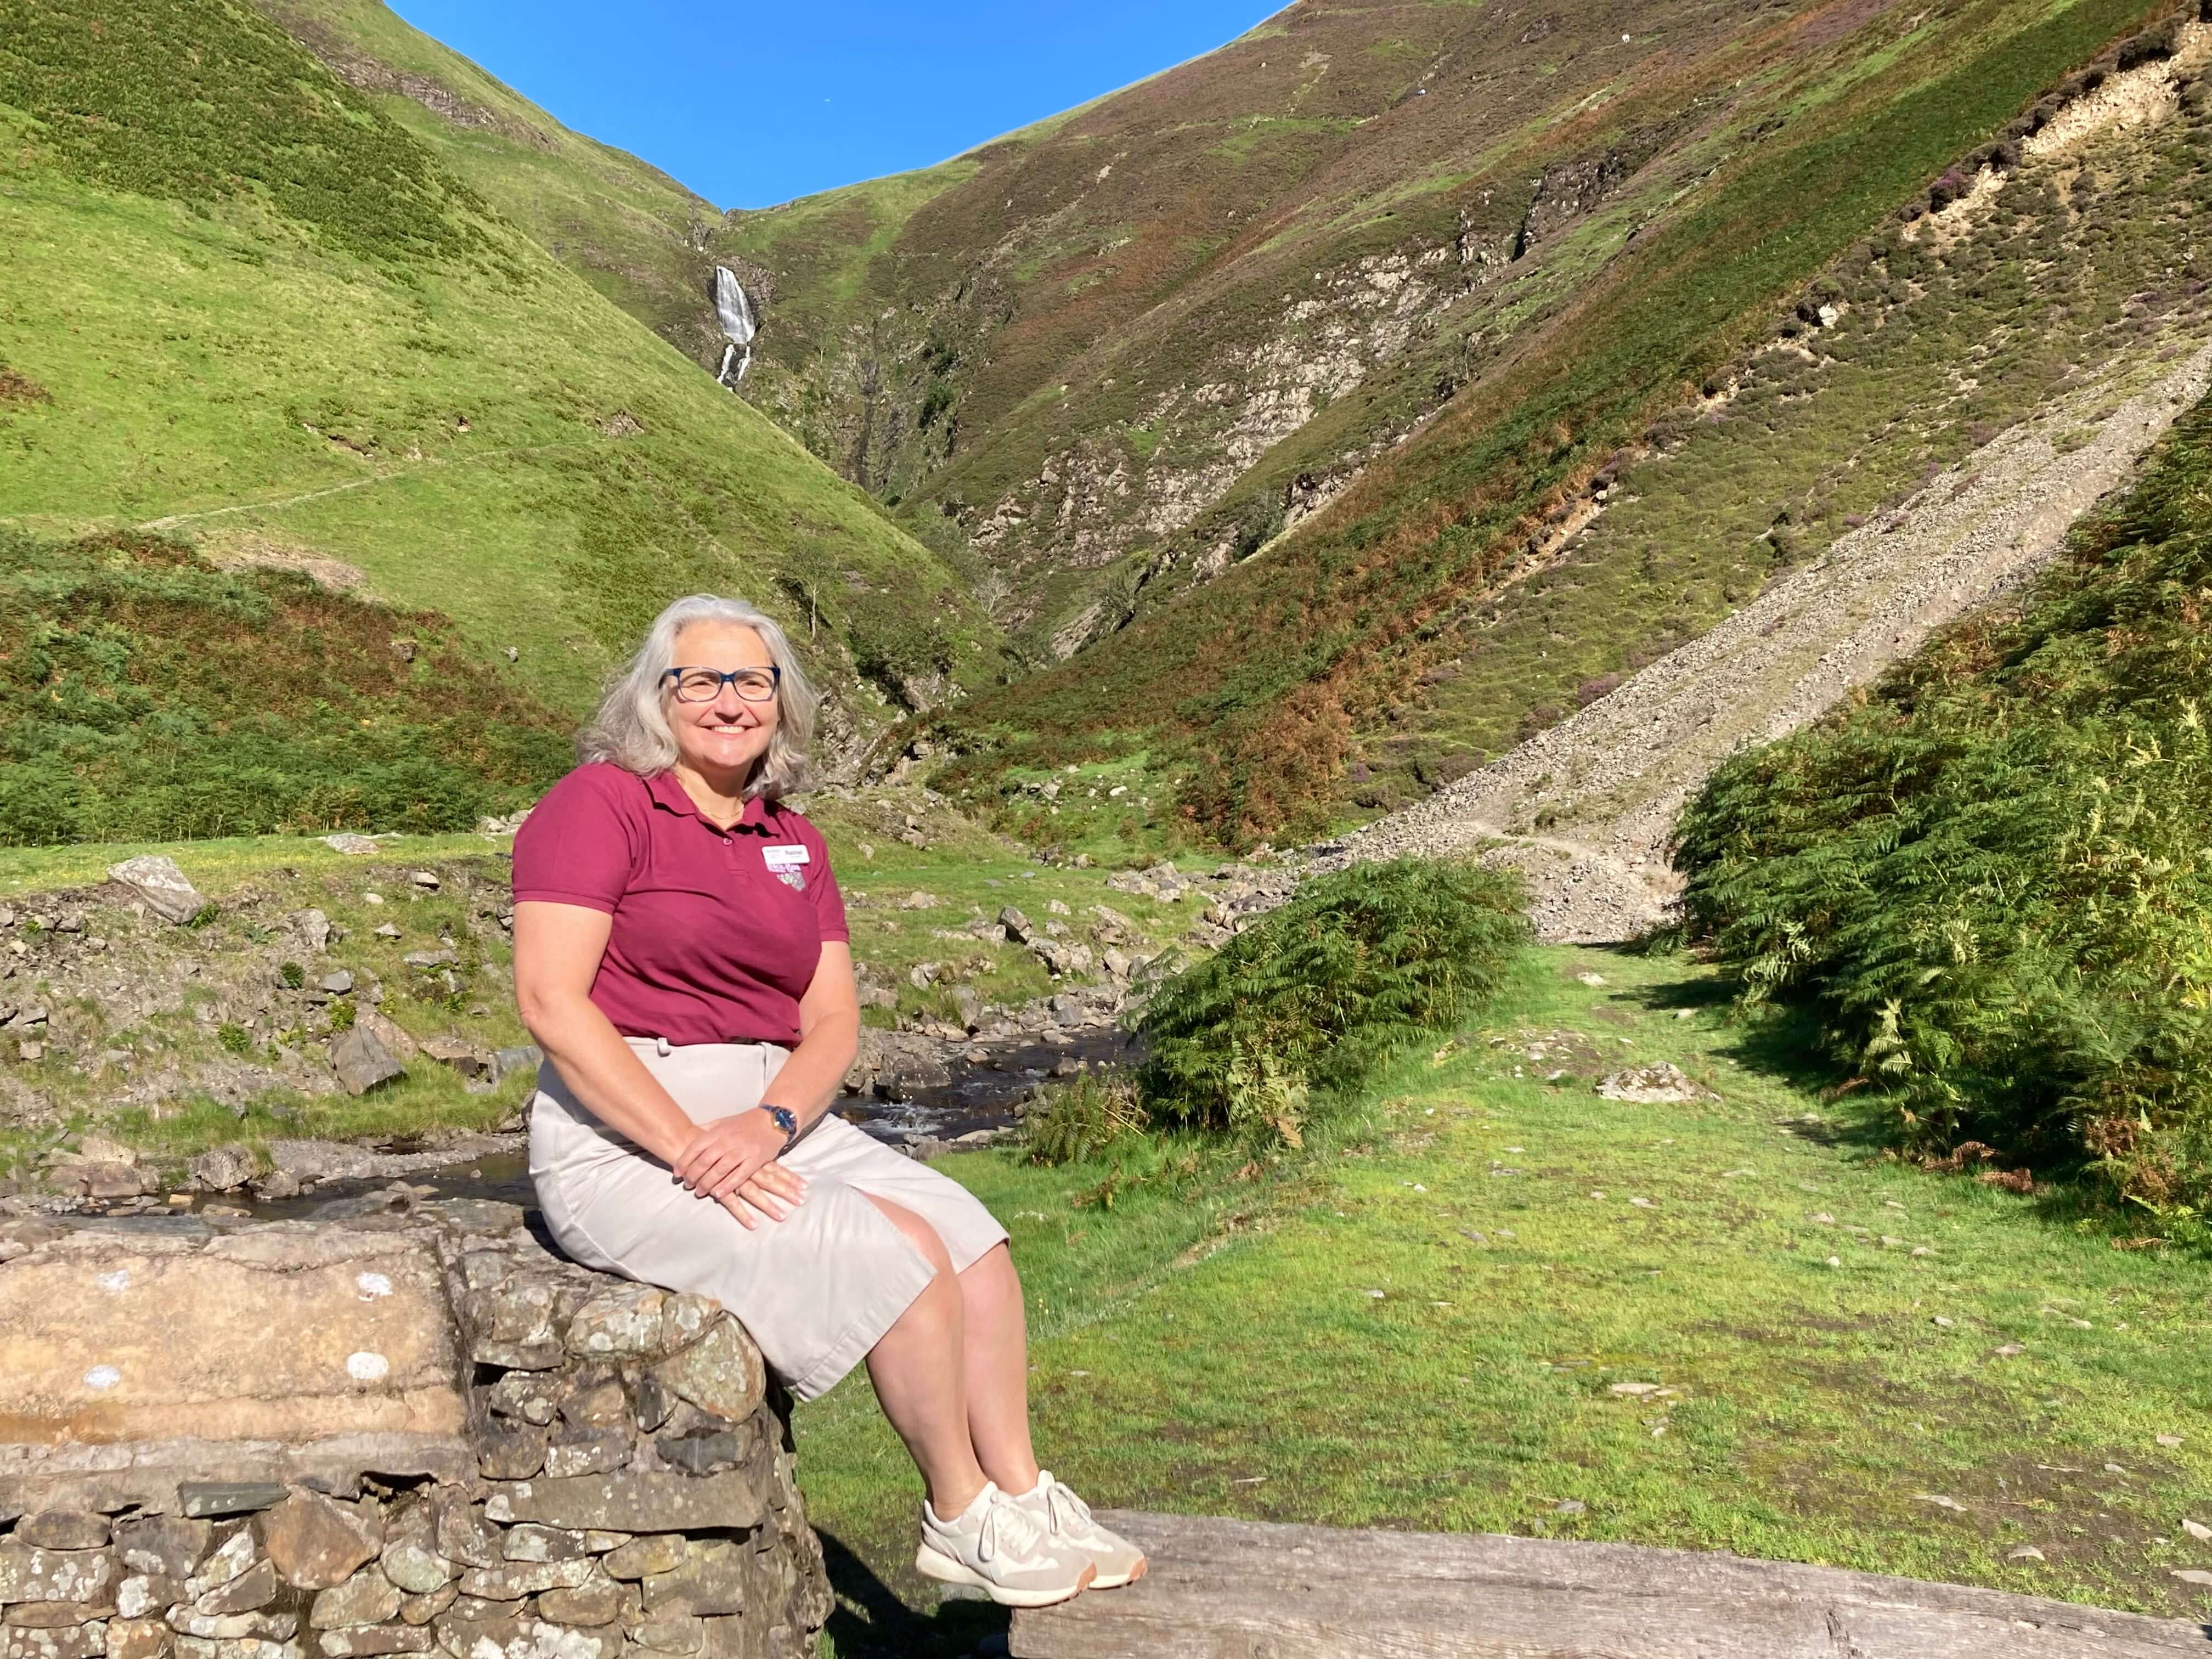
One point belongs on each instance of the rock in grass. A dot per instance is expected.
(362, 1062)
(1662, 1084)
(159, 885)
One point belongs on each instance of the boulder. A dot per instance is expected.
(28, 1573)
(362, 1641)
(714, 1577)
(641, 1557)
(362, 1062)
(459, 1053)
(524, 1639)
(523, 1057)
(367, 1598)
(389, 1032)
(307, 1161)
(137, 1638)
(164, 1545)
(159, 885)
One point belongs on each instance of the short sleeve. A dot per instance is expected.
(581, 844)
(828, 903)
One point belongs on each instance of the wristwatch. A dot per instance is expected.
(784, 1121)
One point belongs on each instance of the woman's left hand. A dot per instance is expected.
(727, 1152)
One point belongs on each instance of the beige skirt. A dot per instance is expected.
(816, 1289)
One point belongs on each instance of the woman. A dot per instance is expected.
(681, 955)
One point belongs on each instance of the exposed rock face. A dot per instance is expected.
(267, 1441)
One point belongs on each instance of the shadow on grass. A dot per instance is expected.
(871, 1621)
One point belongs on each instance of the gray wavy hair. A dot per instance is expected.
(631, 728)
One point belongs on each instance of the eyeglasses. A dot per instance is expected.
(705, 684)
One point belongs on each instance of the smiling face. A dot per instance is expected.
(723, 739)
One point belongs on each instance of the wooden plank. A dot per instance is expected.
(1245, 1590)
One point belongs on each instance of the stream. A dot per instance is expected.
(981, 1095)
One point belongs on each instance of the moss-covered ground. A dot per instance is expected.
(1423, 1328)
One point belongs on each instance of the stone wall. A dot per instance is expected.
(413, 1433)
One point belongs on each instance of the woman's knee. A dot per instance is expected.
(919, 1233)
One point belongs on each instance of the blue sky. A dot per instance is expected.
(751, 106)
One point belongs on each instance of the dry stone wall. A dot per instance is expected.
(406, 1434)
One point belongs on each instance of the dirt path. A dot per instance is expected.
(1588, 808)
(282, 502)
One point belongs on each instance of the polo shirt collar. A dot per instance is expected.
(667, 790)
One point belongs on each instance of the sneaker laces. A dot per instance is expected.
(1068, 1512)
(1002, 1514)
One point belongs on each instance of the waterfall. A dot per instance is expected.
(734, 311)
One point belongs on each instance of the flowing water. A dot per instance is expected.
(982, 1094)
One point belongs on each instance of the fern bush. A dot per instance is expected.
(1992, 880)
(1310, 998)
(1083, 1118)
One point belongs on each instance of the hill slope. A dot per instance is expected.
(1422, 323)
(633, 233)
(1990, 880)
(246, 306)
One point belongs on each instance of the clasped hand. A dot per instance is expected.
(732, 1160)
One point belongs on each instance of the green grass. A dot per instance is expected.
(1813, 1401)
(143, 692)
(620, 223)
(425, 400)
(258, 881)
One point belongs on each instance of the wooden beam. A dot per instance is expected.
(1246, 1590)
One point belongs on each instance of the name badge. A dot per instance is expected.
(780, 859)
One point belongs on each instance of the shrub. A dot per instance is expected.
(1990, 883)
(145, 694)
(1311, 998)
(1081, 1119)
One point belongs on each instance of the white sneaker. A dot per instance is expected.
(996, 1546)
(1067, 1519)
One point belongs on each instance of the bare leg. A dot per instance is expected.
(997, 1367)
(917, 1368)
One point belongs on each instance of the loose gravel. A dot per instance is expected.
(1588, 809)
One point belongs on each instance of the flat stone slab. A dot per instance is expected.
(268, 1335)
(1240, 1590)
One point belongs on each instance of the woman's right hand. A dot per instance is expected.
(770, 1195)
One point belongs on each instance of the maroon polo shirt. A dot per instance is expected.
(716, 932)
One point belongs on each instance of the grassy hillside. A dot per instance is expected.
(1259, 688)
(1990, 881)
(243, 305)
(632, 232)
(144, 693)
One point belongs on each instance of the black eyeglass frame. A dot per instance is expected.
(677, 674)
